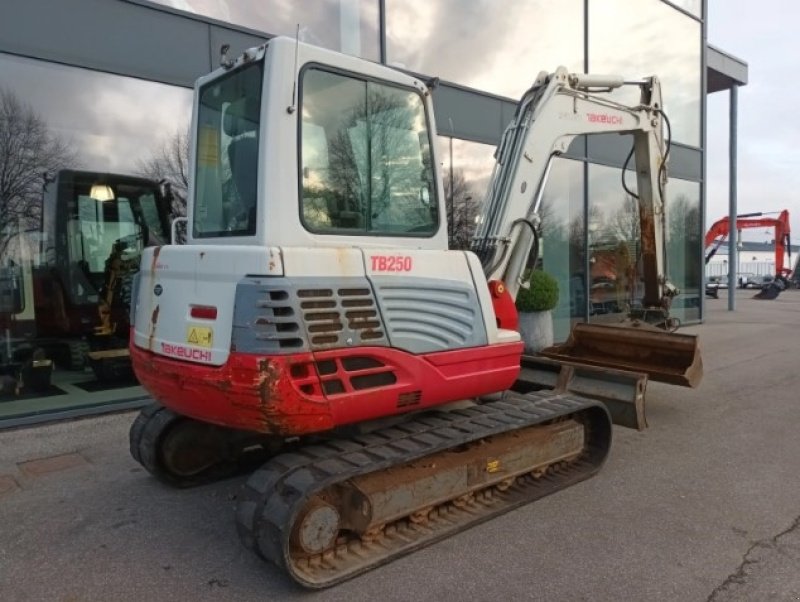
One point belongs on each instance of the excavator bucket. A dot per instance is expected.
(637, 347)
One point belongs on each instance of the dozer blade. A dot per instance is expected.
(665, 357)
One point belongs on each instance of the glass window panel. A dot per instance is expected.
(349, 26)
(562, 245)
(483, 45)
(614, 246)
(684, 247)
(227, 154)
(466, 172)
(88, 121)
(366, 159)
(649, 37)
(110, 123)
(615, 249)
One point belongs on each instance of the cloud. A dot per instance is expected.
(113, 122)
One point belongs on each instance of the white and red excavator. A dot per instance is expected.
(317, 323)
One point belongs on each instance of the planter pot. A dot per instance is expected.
(536, 329)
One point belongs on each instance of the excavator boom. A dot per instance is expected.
(720, 230)
(556, 109)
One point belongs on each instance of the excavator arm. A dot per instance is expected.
(720, 230)
(556, 109)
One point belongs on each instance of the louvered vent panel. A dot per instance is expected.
(341, 317)
(276, 323)
(427, 318)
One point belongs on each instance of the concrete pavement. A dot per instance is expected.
(704, 505)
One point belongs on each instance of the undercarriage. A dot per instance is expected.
(327, 508)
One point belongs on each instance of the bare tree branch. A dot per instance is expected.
(170, 162)
(27, 150)
(464, 207)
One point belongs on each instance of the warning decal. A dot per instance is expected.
(202, 336)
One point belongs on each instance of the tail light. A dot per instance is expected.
(203, 312)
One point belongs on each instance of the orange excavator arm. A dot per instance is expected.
(720, 230)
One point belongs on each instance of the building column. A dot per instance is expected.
(350, 27)
(733, 236)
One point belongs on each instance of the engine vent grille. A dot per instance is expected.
(281, 315)
(341, 317)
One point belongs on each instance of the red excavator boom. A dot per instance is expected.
(720, 230)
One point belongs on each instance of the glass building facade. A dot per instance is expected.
(97, 121)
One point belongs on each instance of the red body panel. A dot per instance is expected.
(305, 393)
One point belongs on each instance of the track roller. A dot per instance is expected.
(184, 452)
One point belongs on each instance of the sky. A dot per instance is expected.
(765, 36)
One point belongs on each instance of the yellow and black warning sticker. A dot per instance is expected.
(201, 336)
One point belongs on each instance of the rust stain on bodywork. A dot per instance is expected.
(156, 253)
(153, 322)
(267, 382)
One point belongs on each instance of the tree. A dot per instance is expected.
(28, 150)
(170, 163)
(464, 207)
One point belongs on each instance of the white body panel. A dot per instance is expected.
(179, 277)
(175, 278)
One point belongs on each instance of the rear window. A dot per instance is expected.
(365, 158)
(227, 154)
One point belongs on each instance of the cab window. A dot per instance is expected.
(227, 153)
(365, 158)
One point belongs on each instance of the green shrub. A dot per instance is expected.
(542, 294)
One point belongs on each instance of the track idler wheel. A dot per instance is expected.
(184, 452)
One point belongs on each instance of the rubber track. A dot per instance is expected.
(275, 493)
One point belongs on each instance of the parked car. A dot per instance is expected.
(759, 282)
(717, 281)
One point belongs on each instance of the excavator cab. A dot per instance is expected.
(94, 229)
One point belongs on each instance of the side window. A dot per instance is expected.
(365, 165)
(229, 109)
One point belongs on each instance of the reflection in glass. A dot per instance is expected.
(500, 49)
(465, 171)
(615, 249)
(648, 37)
(366, 159)
(684, 247)
(71, 280)
(227, 154)
(112, 123)
(614, 233)
(562, 246)
(349, 26)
